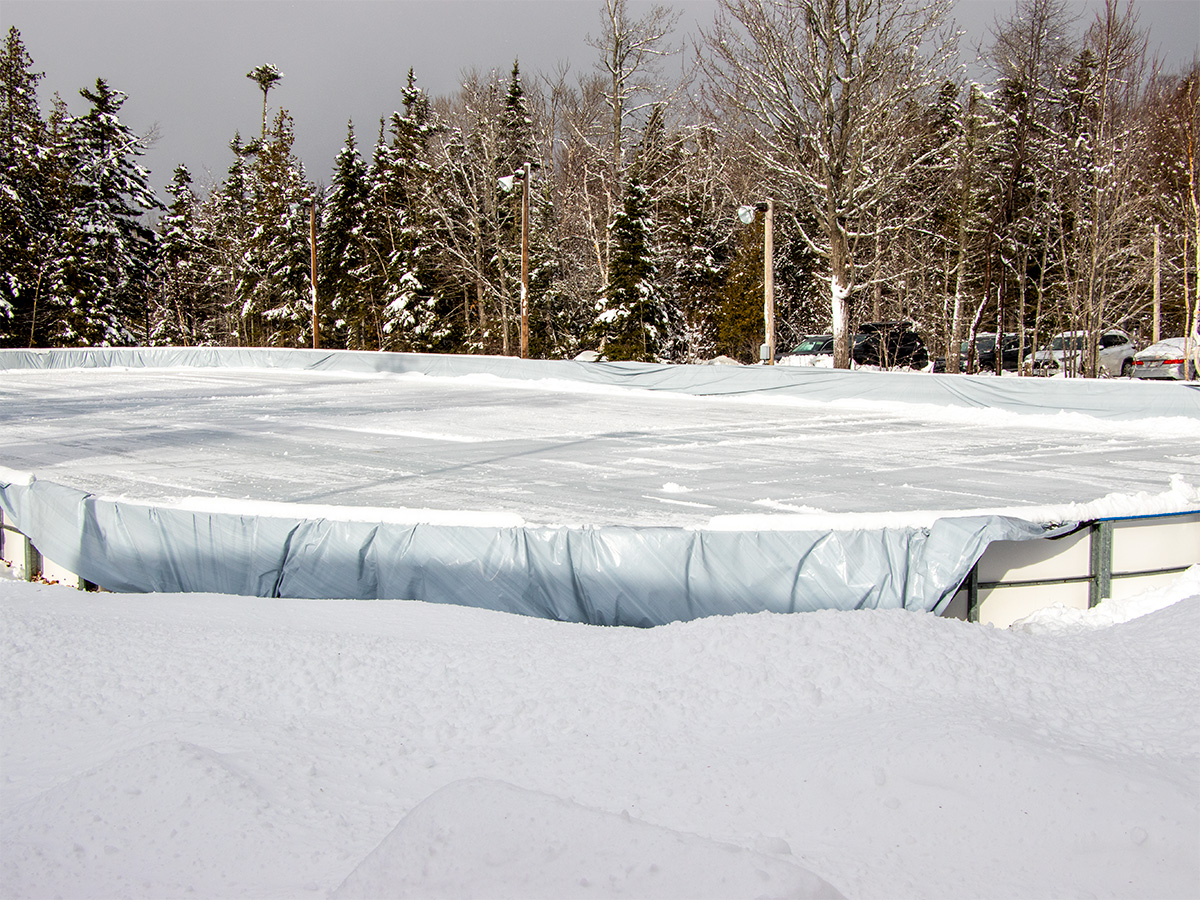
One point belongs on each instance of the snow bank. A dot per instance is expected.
(1179, 497)
(1060, 618)
(513, 842)
(207, 745)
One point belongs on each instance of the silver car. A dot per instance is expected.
(1162, 360)
(1065, 354)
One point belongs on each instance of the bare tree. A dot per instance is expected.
(832, 89)
(582, 191)
(1105, 206)
(1029, 52)
(631, 52)
(470, 162)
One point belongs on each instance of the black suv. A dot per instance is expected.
(889, 345)
(985, 352)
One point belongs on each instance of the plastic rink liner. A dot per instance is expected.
(610, 574)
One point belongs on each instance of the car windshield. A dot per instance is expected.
(1071, 342)
(812, 345)
(987, 343)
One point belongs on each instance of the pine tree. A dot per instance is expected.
(411, 316)
(23, 207)
(222, 229)
(691, 235)
(105, 264)
(340, 251)
(740, 324)
(630, 320)
(516, 127)
(180, 317)
(556, 331)
(275, 277)
(398, 269)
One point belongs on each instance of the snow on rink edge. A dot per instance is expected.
(206, 745)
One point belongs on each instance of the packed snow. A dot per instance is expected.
(217, 746)
(555, 452)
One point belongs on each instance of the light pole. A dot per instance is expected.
(525, 261)
(746, 215)
(312, 244)
(506, 183)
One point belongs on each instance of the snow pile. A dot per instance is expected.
(497, 834)
(1179, 497)
(167, 745)
(808, 360)
(1060, 618)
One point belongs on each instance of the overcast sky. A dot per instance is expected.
(183, 63)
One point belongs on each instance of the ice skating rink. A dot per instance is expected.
(557, 452)
(606, 493)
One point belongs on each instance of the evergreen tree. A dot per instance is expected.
(516, 127)
(516, 151)
(340, 251)
(691, 236)
(398, 268)
(555, 329)
(412, 319)
(630, 320)
(275, 278)
(180, 316)
(222, 234)
(105, 262)
(740, 324)
(23, 212)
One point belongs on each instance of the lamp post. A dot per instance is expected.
(525, 261)
(312, 244)
(506, 183)
(746, 215)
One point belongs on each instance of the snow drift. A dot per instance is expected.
(217, 746)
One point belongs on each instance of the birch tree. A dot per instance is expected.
(1104, 204)
(830, 89)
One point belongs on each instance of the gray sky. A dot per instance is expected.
(183, 62)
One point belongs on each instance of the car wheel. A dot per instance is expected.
(1127, 369)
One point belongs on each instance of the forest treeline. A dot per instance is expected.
(1059, 195)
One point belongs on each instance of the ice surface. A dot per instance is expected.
(558, 453)
(216, 746)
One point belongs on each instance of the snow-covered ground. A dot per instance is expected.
(215, 746)
(558, 452)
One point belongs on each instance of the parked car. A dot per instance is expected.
(985, 352)
(889, 345)
(1065, 354)
(1162, 360)
(812, 351)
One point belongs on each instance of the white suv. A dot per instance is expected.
(1065, 354)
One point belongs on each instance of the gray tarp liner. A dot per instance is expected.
(614, 575)
(604, 576)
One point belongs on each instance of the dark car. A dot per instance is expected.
(985, 352)
(813, 345)
(889, 345)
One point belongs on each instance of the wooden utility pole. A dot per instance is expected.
(1157, 284)
(525, 261)
(769, 279)
(312, 244)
